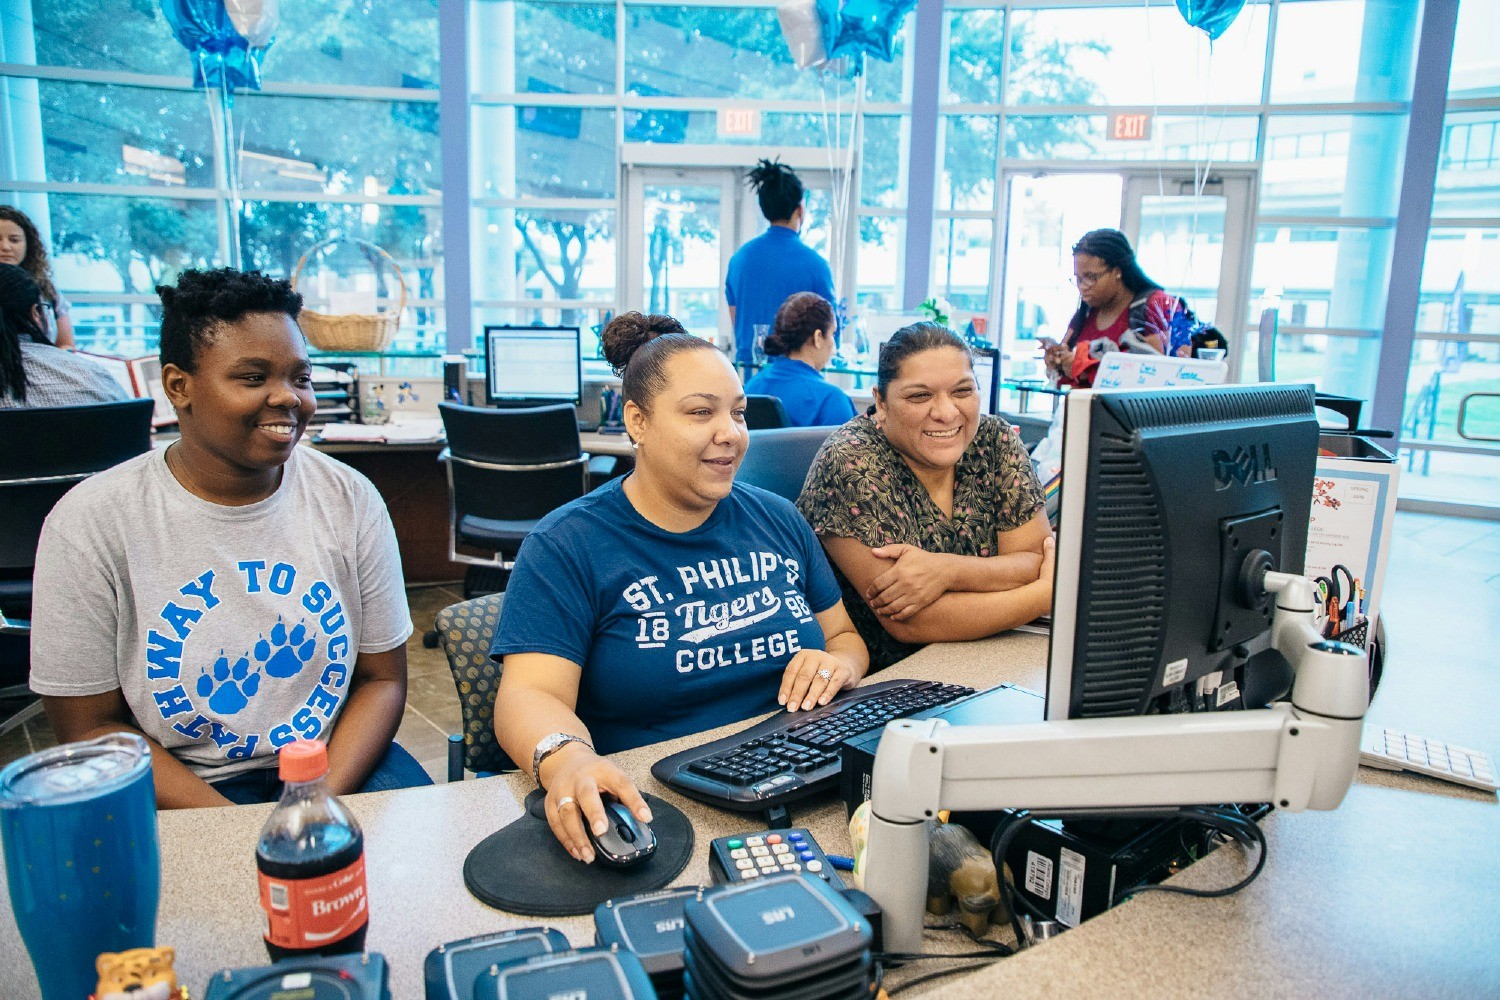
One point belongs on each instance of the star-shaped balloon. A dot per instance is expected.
(862, 26)
(1213, 16)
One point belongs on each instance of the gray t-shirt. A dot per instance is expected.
(230, 630)
(55, 377)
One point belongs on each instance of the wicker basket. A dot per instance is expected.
(352, 331)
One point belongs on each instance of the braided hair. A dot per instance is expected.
(1110, 246)
(19, 297)
(778, 189)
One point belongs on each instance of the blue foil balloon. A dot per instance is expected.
(1213, 16)
(222, 57)
(860, 26)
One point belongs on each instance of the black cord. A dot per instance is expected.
(999, 847)
(929, 977)
(1246, 832)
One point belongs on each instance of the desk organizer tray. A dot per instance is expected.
(595, 973)
(451, 969)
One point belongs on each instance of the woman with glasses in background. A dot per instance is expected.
(1117, 305)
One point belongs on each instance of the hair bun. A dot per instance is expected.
(629, 332)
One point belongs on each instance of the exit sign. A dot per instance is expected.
(739, 122)
(1129, 127)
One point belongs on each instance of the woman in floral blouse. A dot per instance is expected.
(929, 510)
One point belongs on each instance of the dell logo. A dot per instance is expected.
(1243, 466)
(777, 915)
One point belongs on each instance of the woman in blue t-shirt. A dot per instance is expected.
(800, 346)
(665, 603)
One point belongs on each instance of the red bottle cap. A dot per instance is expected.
(303, 760)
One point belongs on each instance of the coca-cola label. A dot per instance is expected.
(315, 912)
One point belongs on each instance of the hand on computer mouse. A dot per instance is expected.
(625, 840)
(573, 805)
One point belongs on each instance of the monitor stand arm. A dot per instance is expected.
(1297, 755)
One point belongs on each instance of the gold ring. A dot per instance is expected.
(566, 800)
(826, 674)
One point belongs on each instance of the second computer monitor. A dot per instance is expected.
(532, 365)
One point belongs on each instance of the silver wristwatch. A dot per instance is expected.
(549, 745)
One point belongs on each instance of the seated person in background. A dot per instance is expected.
(32, 371)
(1117, 303)
(665, 603)
(21, 244)
(930, 511)
(799, 347)
(232, 592)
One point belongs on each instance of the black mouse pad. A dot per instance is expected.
(522, 868)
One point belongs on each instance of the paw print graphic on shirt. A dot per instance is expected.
(286, 652)
(229, 687)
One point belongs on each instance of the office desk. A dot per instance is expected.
(1392, 895)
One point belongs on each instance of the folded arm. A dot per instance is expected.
(937, 597)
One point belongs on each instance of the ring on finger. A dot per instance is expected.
(826, 674)
(566, 800)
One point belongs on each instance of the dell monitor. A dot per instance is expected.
(1174, 504)
(532, 365)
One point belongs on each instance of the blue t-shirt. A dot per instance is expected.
(676, 633)
(809, 400)
(763, 274)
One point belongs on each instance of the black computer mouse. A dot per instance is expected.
(628, 841)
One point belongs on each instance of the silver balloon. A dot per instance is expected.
(257, 20)
(803, 29)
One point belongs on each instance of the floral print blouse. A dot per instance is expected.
(860, 487)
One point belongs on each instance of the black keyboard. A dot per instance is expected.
(794, 754)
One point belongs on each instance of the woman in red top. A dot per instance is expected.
(1117, 302)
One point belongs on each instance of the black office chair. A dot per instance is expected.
(507, 469)
(778, 458)
(44, 452)
(765, 412)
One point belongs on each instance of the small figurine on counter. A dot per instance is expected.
(959, 868)
(138, 974)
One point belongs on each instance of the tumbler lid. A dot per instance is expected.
(73, 772)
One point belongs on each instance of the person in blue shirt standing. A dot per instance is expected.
(800, 347)
(774, 265)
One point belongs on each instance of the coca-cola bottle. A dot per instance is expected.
(311, 858)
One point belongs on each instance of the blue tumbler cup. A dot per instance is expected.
(81, 859)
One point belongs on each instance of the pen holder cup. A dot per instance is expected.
(1358, 635)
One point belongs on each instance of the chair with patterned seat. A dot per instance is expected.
(465, 632)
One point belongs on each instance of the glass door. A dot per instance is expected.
(1189, 235)
(682, 227)
(1045, 215)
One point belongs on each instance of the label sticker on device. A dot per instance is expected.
(1227, 693)
(1070, 888)
(1038, 875)
(1174, 672)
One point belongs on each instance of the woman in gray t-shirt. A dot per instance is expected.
(232, 592)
